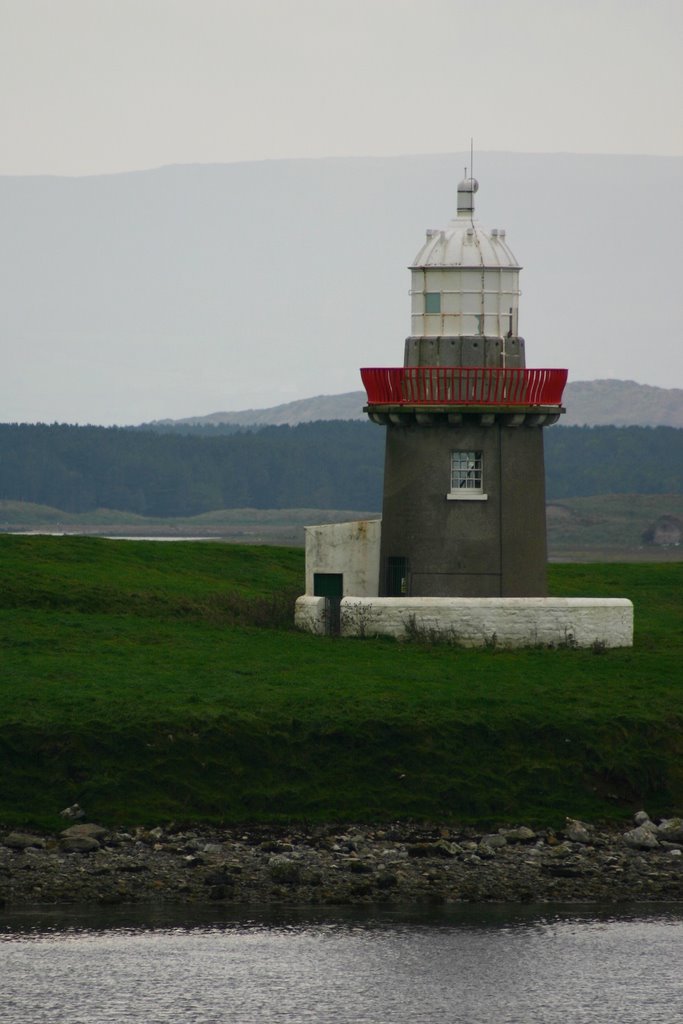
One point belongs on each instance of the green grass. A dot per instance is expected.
(179, 579)
(139, 679)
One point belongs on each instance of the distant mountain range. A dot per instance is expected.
(620, 403)
(159, 293)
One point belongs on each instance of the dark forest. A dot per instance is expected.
(327, 465)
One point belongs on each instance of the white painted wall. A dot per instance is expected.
(477, 622)
(348, 548)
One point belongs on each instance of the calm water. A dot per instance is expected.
(469, 965)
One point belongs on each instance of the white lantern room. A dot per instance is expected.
(465, 279)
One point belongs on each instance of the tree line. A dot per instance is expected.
(78, 469)
(336, 464)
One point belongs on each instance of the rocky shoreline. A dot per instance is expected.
(340, 865)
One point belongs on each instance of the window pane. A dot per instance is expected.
(432, 302)
(466, 471)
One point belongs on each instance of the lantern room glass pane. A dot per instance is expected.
(432, 302)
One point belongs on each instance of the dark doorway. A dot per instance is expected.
(330, 585)
(397, 576)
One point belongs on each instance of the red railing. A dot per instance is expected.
(463, 385)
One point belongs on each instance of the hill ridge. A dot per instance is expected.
(602, 402)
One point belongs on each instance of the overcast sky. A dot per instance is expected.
(94, 86)
(91, 87)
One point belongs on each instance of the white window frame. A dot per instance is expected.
(467, 476)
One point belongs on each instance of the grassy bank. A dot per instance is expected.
(152, 682)
(279, 526)
(610, 526)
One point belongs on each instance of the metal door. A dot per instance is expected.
(397, 576)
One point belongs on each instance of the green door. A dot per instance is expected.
(330, 585)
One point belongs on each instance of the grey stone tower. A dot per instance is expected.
(464, 481)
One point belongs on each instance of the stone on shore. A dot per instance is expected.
(398, 863)
(283, 870)
(518, 835)
(22, 841)
(671, 829)
(89, 830)
(642, 838)
(578, 831)
(79, 844)
(496, 841)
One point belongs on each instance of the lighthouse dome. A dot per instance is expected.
(465, 243)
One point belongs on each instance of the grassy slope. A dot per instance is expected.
(20, 515)
(134, 682)
(608, 526)
(609, 522)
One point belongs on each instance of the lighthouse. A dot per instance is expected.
(460, 551)
(463, 511)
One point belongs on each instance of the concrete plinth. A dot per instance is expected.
(480, 622)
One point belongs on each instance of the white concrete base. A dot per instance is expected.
(481, 621)
(309, 615)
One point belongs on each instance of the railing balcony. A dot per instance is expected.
(463, 386)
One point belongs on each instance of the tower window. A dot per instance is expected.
(432, 302)
(467, 475)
